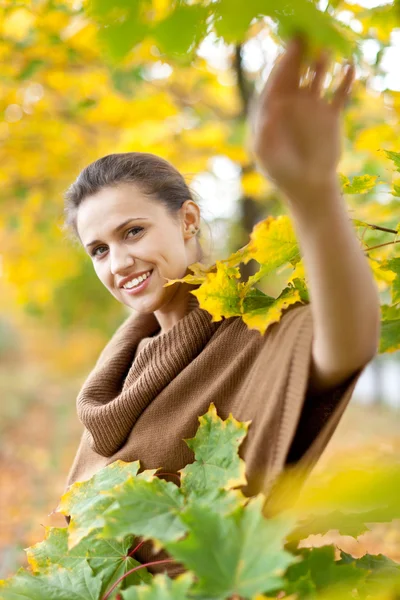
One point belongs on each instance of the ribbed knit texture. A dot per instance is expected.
(145, 394)
(119, 389)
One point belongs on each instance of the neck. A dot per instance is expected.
(183, 303)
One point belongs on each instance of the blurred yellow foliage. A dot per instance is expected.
(372, 139)
(16, 24)
(254, 184)
(71, 108)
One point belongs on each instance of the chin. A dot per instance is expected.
(144, 305)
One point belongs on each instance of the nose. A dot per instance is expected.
(120, 260)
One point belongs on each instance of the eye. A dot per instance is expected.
(94, 252)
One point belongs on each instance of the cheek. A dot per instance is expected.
(174, 260)
(167, 251)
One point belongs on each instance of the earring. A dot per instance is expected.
(194, 229)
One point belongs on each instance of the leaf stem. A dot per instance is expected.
(380, 245)
(132, 552)
(379, 227)
(154, 562)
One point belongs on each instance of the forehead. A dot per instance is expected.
(101, 212)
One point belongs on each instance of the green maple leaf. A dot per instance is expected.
(161, 588)
(394, 157)
(85, 501)
(146, 508)
(58, 583)
(348, 499)
(233, 18)
(372, 563)
(262, 317)
(152, 508)
(217, 465)
(185, 26)
(346, 524)
(318, 570)
(361, 184)
(390, 329)
(239, 553)
(106, 556)
(393, 265)
(381, 573)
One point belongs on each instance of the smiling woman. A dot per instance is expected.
(136, 218)
(169, 359)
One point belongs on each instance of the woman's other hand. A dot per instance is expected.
(296, 131)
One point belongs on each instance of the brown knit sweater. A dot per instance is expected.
(145, 394)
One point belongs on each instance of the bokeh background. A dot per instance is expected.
(71, 92)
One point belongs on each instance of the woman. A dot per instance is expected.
(136, 218)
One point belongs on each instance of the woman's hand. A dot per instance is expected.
(296, 132)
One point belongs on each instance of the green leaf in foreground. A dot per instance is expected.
(106, 556)
(367, 491)
(146, 508)
(393, 265)
(390, 329)
(240, 553)
(225, 540)
(58, 584)
(161, 588)
(152, 508)
(183, 27)
(217, 465)
(319, 571)
(85, 501)
(372, 563)
(380, 572)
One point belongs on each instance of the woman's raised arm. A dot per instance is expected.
(297, 144)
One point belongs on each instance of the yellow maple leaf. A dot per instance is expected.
(382, 275)
(198, 275)
(262, 318)
(219, 294)
(298, 273)
(273, 243)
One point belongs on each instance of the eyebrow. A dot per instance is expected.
(117, 229)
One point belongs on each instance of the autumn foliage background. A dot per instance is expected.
(72, 90)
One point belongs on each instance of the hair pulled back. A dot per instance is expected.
(154, 176)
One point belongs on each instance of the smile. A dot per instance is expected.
(137, 285)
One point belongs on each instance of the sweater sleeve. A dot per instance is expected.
(320, 414)
(297, 424)
(318, 420)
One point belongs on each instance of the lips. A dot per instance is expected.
(132, 277)
(137, 289)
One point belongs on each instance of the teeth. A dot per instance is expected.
(136, 282)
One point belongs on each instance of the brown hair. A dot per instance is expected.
(153, 175)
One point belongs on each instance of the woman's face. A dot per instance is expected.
(147, 239)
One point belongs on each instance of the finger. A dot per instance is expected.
(285, 76)
(321, 67)
(341, 96)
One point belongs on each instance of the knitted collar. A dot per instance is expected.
(119, 388)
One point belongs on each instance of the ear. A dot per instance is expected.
(190, 218)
